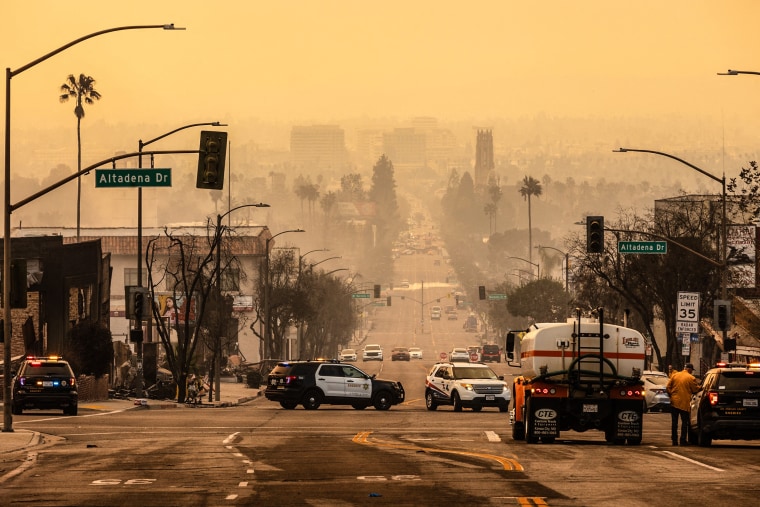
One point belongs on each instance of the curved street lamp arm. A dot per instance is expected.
(701, 171)
(11, 73)
(211, 124)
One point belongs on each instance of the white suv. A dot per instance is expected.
(471, 385)
(372, 352)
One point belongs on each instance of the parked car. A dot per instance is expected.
(728, 405)
(400, 354)
(415, 353)
(472, 385)
(45, 382)
(372, 352)
(313, 383)
(347, 355)
(490, 352)
(656, 397)
(459, 354)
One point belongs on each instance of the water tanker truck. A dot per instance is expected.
(577, 375)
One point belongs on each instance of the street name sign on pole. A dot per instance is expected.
(497, 296)
(643, 247)
(360, 296)
(109, 178)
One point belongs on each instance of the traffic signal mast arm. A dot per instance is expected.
(671, 240)
(24, 202)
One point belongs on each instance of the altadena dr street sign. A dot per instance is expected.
(133, 177)
(642, 247)
(360, 295)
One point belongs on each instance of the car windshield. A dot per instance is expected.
(474, 373)
(348, 351)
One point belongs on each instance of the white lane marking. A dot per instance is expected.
(231, 497)
(231, 439)
(492, 436)
(249, 471)
(243, 484)
(676, 455)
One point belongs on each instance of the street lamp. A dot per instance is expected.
(7, 329)
(301, 257)
(311, 266)
(722, 181)
(335, 271)
(567, 262)
(217, 280)
(737, 72)
(138, 321)
(267, 292)
(538, 267)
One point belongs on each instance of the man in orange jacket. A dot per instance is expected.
(681, 386)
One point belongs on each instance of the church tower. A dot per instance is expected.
(483, 157)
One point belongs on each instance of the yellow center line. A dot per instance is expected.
(507, 463)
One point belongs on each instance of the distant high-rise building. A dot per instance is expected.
(405, 147)
(484, 163)
(318, 147)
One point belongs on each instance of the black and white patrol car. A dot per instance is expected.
(313, 383)
(471, 385)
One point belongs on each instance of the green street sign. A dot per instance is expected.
(642, 247)
(360, 296)
(107, 178)
(497, 296)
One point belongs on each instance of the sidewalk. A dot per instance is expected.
(230, 394)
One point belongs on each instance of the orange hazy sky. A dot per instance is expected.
(320, 61)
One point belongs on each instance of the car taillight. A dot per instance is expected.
(713, 398)
(72, 381)
(289, 379)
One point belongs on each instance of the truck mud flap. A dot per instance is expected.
(628, 422)
(541, 419)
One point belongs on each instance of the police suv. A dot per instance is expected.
(313, 383)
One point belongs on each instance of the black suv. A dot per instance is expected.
(727, 405)
(312, 383)
(45, 382)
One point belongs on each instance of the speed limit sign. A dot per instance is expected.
(687, 313)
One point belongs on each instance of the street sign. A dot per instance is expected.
(643, 247)
(107, 178)
(360, 296)
(497, 296)
(687, 312)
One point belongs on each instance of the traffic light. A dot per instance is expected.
(139, 304)
(377, 291)
(722, 317)
(388, 302)
(594, 234)
(482, 291)
(211, 160)
(729, 345)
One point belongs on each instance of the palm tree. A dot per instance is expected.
(83, 90)
(530, 186)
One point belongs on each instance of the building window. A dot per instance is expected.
(231, 280)
(130, 277)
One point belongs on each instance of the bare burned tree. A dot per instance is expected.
(185, 265)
